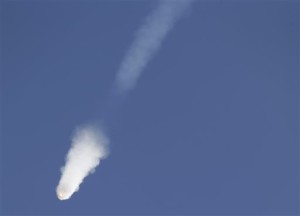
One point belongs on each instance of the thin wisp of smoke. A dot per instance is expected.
(147, 42)
(89, 147)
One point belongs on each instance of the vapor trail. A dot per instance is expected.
(89, 147)
(148, 40)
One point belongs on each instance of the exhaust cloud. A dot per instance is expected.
(89, 147)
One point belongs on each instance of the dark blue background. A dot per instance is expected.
(211, 128)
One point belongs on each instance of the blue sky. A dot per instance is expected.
(212, 126)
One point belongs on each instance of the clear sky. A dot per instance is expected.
(212, 126)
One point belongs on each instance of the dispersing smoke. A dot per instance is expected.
(89, 147)
(148, 40)
(89, 144)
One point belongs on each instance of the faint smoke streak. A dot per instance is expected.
(148, 40)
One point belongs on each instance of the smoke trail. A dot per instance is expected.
(89, 146)
(147, 42)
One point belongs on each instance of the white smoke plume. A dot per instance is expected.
(148, 40)
(89, 147)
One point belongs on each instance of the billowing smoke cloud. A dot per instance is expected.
(148, 40)
(89, 147)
